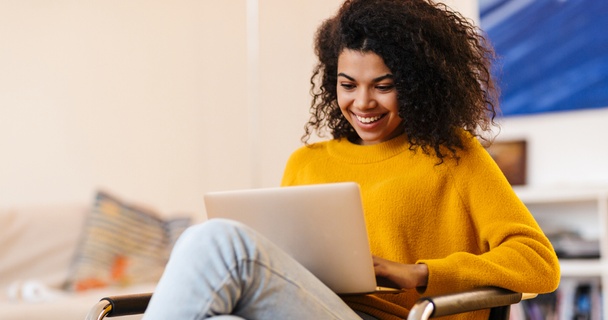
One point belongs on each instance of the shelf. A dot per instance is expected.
(581, 209)
(559, 195)
(581, 268)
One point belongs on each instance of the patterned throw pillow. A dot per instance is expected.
(122, 245)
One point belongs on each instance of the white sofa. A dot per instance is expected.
(37, 248)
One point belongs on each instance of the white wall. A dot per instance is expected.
(161, 101)
(565, 149)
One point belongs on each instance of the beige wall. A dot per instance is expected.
(286, 62)
(140, 97)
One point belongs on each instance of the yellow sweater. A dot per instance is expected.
(462, 220)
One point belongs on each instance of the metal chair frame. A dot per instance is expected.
(497, 300)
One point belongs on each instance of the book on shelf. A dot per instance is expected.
(575, 299)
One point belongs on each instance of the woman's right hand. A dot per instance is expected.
(406, 276)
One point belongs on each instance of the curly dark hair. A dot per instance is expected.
(441, 67)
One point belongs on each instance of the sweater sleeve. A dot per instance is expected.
(515, 253)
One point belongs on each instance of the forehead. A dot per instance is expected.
(361, 64)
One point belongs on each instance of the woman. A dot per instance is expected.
(405, 90)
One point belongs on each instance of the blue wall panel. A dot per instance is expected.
(553, 53)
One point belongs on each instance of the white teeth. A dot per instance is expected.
(368, 120)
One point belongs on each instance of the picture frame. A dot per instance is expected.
(511, 158)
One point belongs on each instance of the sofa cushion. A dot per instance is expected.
(122, 244)
(67, 305)
(38, 242)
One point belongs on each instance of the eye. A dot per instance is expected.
(385, 87)
(347, 85)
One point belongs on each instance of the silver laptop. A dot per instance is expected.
(321, 226)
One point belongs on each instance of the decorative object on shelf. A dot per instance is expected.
(511, 159)
(570, 244)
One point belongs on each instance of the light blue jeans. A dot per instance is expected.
(222, 269)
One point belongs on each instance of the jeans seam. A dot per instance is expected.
(274, 272)
(295, 284)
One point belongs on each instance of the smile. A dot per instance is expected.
(367, 120)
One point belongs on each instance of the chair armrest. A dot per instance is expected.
(477, 299)
(116, 306)
(425, 308)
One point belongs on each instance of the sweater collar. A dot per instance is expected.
(354, 153)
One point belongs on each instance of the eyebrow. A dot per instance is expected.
(378, 79)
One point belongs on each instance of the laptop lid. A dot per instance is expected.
(321, 226)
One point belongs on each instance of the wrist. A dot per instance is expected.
(422, 271)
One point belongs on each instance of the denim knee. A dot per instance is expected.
(211, 228)
(212, 231)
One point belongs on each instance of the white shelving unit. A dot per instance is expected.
(576, 209)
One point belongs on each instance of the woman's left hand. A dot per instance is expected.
(406, 276)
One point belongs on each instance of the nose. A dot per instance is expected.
(364, 100)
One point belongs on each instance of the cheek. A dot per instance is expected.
(392, 104)
(341, 102)
(344, 111)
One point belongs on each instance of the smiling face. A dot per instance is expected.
(367, 96)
